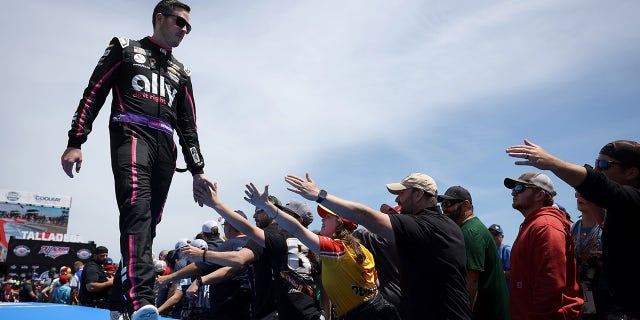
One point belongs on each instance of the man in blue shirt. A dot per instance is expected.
(504, 251)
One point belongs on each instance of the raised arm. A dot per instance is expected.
(226, 258)
(374, 220)
(285, 220)
(171, 301)
(535, 156)
(207, 194)
(187, 272)
(222, 274)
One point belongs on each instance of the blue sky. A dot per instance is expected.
(358, 93)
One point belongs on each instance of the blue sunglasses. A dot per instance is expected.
(605, 164)
(519, 188)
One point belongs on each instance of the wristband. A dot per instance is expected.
(204, 252)
(321, 196)
(199, 280)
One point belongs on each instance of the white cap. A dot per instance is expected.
(182, 243)
(207, 225)
(159, 266)
(199, 243)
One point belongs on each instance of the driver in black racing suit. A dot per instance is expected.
(152, 96)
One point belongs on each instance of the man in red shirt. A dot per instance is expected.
(543, 281)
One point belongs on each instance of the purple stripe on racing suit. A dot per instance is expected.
(143, 120)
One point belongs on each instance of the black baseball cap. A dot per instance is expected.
(455, 193)
(496, 227)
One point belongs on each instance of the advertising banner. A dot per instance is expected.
(35, 216)
(34, 256)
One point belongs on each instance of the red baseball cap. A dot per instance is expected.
(385, 208)
(323, 211)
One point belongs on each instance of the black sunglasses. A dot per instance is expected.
(605, 164)
(450, 203)
(180, 21)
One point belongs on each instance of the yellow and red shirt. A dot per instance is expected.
(347, 282)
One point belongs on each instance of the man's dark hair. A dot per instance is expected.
(168, 7)
(100, 250)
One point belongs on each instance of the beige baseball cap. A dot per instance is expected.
(415, 180)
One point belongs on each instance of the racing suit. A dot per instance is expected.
(151, 96)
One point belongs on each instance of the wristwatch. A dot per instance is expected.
(321, 196)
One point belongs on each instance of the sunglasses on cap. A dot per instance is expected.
(519, 188)
(602, 164)
(450, 203)
(180, 21)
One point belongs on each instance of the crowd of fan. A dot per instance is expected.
(49, 286)
(278, 269)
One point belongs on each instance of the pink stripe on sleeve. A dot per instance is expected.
(193, 107)
(83, 115)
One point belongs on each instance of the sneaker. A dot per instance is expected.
(148, 312)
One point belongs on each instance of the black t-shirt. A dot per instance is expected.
(226, 296)
(213, 244)
(92, 272)
(292, 303)
(24, 294)
(618, 235)
(264, 301)
(385, 256)
(432, 264)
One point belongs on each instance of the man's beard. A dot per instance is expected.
(457, 215)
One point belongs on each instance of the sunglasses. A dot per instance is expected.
(519, 188)
(180, 21)
(450, 203)
(605, 164)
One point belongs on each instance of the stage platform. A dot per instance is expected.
(51, 311)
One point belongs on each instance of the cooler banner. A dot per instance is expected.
(36, 216)
(36, 256)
